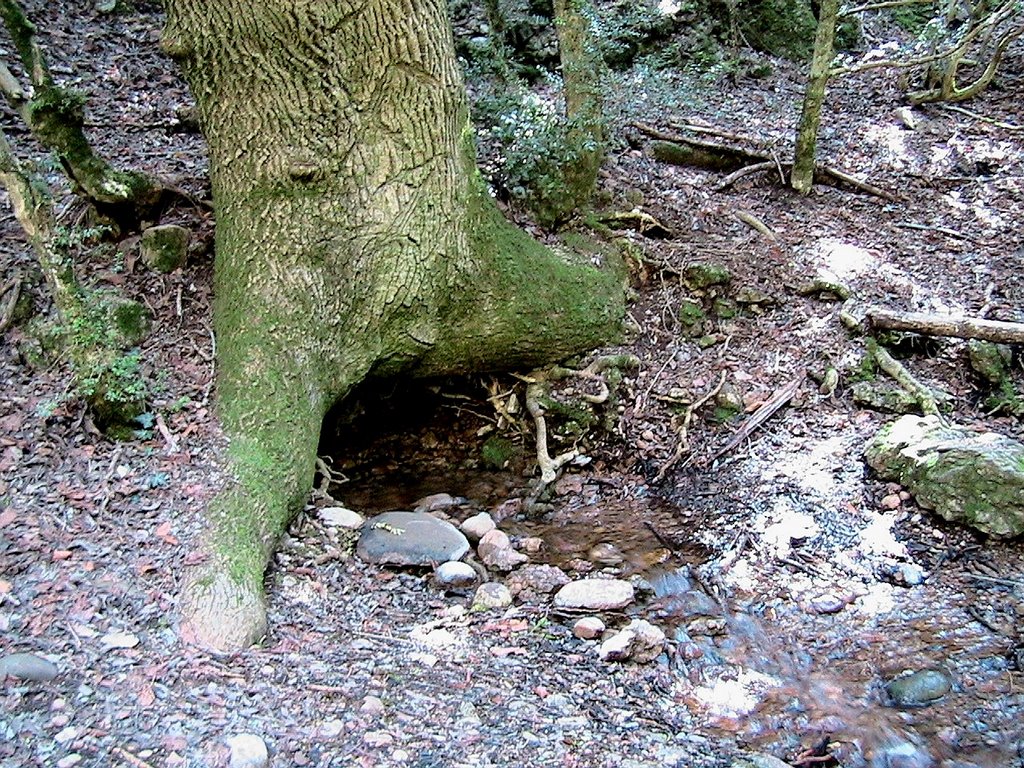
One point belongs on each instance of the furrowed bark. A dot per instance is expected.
(355, 239)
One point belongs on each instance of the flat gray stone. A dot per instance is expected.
(919, 688)
(491, 596)
(410, 538)
(595, 595)
(27, 666)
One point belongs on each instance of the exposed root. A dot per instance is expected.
(9, 295)
(682, 430)
(926, 399)
(548, 466)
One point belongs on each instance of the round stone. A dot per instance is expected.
(919, 688)
(455, 575)
(27, 666)
(588, 628)
(491, 596)
(248, 751)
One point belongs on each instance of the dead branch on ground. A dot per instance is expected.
(731, 159)
(997, 331)
(760, 416)
(682, 430)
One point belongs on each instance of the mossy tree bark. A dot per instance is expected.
(355, 239)
(802, 175)
(56, 117)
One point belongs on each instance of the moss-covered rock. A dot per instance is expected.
(990, 361)
(701, 275)
(691, 318)
(164, 247)
(497, 452)
(877, 396)
(969, 477)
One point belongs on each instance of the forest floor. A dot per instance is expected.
(802, 556)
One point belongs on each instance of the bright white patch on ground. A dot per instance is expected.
(784, 524)
(735, 698)
(877, 538)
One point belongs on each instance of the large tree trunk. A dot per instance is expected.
(355, 239)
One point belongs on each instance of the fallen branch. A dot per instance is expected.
(731, 159)
(761, 415)
(941, 325)
(749, 170)
(755, 223)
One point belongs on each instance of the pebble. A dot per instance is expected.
(455, 575)
(69, 760)
(372, 705)
(342, 517)
(919, 688)
(532, 544)
(827, 604)
(902, 755)
(759, 760)
(491, 596)
(640, 641)
(27, 666)
(891, 501)
(478, 526)
(66, 735)
(410, 538)
(588, 628)
(248, 751)
(595, 594)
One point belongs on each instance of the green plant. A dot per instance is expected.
(536, 146)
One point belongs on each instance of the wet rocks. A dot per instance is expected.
(248, 751)
(588, 628)
(27, 666)
(639, 641)
(495, 550)
(491, 596)
(758, 760)
(605, 554)
(455, 575)
(410, 538)
(595, 595)
(901, 755)
(919, 688)
(970, 477)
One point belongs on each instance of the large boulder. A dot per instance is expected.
(410, 538)
(971, 477)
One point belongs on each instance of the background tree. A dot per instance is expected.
(354, 239)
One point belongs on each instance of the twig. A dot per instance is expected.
(761, 415)
(871, 189)
(755, 223)
(995, 580)
(930, 228)
(709, 130)
(983, 118)
(131, 759)
(808, 569)
(682, 440)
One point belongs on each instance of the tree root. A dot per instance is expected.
(537, 389)
(926, 399)
(9, 295)
(682, 430)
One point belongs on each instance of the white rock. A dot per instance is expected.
(372, 705)
(478, 526)
(114, 640)
(491, 595)
(617, 647)
(341, 517)
(588, 628)
(68, 761)
(455, 575)
(640, 641)
(495, 550)
(248, 751)
(595, 595)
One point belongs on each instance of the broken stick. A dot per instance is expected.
(761, 415)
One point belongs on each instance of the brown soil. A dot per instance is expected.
(779, 532)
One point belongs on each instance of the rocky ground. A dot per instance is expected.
(792, 585)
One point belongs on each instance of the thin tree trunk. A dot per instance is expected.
(56, 117)
(355, 238)
(802, 176)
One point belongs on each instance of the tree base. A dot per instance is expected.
(221, 614)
